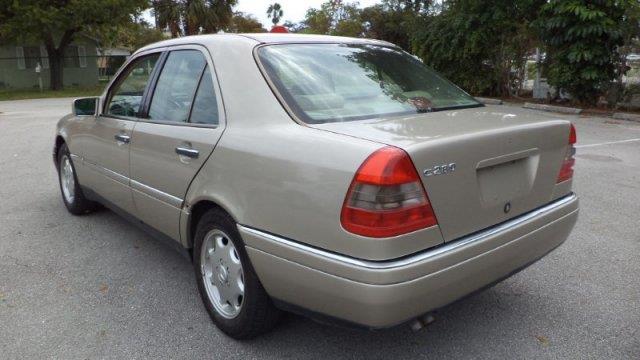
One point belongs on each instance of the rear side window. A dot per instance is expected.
(177, 86)
(205, 107)
(126, 95)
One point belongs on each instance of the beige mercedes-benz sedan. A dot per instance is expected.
(334, 177)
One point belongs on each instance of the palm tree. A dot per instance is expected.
(195, 13)
(220, 15)
(190, 17)
(275, 13)
(168, 14)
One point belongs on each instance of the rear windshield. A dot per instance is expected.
(342, 82)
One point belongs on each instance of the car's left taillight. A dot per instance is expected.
(566, 171)
(386, 197)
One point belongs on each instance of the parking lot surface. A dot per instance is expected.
(97, 287)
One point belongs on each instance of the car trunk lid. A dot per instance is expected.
(481, 166)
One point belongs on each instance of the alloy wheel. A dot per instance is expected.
(222, 273)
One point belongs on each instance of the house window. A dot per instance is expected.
(20, 57)
(71, 58)
(44, 56)
(31, 56)
(75, 56)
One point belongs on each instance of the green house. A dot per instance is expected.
(19, 62)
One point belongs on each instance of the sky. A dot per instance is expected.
(294, 10)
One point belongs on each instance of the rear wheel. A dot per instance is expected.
(72, 195)
(228, 285)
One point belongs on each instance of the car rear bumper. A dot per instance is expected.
(380, 294)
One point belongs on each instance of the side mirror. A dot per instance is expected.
(85, 106)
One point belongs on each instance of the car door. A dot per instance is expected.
(180, 130)
(105, 144)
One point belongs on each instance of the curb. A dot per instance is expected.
(626, 116)
(552, 108)
(489, 101)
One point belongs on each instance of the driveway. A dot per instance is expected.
(97, 287)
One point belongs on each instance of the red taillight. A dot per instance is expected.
(386, 197)
(573, 138)
(566, 171)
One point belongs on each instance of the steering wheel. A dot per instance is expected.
(118, 109)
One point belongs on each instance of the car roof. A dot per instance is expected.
(269, 38)
(261, 38)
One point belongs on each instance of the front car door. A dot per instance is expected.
(183, 123)
(105, 147)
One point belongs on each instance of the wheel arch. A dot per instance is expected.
(60, 140)
(197, 209)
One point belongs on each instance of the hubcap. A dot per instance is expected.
(222, 273)
(67, 179)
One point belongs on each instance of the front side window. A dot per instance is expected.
(343, 82)
(125, 97)
(176, 86)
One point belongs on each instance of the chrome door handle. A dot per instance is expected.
(122, 138)
(192, 153)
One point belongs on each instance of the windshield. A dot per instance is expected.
(342, 82)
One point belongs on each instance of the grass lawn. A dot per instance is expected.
(36, 94)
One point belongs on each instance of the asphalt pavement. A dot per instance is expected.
(97, 287)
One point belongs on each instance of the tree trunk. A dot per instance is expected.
(56, 69)
(56, 57)
(175, 29)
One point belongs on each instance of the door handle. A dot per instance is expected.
(192, 153)
(122, 138)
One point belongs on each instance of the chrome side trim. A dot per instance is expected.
(135, 185)
(108, 173)
(157, 194)
(421, 256)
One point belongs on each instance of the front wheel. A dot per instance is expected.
(228, 285)
(72, 195)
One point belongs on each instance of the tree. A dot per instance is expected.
(478, 44)
(132, 35)
(275, 13)
(168, 14)
(191, 17)
(415, 6)
(631, 44)
(582, 38)
(317, 21)
(221, 15)
(394, 20)
(245, 23)
(334, 17)
(57, 23)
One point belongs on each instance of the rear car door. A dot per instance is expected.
(105, 145)
(183, 123)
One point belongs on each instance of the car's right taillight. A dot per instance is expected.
(566, 171)
(386, 197)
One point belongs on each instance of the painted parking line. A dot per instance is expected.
(608, 143)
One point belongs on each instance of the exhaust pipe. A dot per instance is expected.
(420, 322)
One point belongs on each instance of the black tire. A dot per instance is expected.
(79, 204)
(257, 314)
